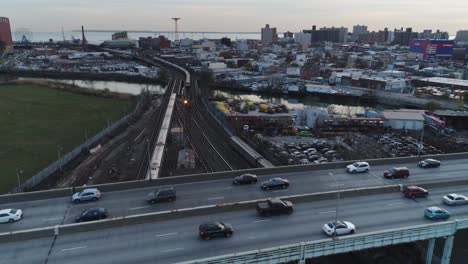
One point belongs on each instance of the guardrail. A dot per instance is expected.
(311, 249)
(110, 187)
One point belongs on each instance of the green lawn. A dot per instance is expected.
(35, 119)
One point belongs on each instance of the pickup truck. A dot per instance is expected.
(274, 206)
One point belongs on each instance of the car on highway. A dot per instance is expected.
(339, 228)
(274, 206)
(209, 230)
(414, 192)
(247, 178)
(397, 172)
(275, 183)
(90, 194)
(359, 166)
(10, 215)
(429, 163)
(161, 195)
(435, 212)
(92, 214)
(455, 199)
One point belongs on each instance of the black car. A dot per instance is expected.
(92, 214)
(247, 178)
(275, 183)
(161, 195)
(209, 230)
(429, 163)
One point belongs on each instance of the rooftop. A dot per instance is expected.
(414, 115)
(449, 81)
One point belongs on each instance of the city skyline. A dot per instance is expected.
(242, 15)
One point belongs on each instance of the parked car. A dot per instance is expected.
(92, 214)
(429, 163)
(10, 215)
(359, 166)
(274, 206)
(435, 212)
(161, 195)
(397, 172)
(304, 162)
(91, 194)
(455, 199)
(415, 191)
(275, 183)
(209, 230)
(339, 228)
(247, 178)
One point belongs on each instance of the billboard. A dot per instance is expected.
(432, 47)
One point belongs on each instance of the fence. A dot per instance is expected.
(59, 164)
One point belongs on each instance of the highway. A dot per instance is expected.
(177, 240)
(42, 213)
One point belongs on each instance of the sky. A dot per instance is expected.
(234, 15)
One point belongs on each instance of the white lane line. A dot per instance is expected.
(168, 234)
(170, 250)
(215, 198)
(52, 219)
(252, 237)
(336, 184)
(395, 204)
(377, 177)
(281, 190)
(327, 212)
(138, 208)
(259, 221)
(74, 248)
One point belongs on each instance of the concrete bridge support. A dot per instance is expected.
(447, 250)
(430, 250)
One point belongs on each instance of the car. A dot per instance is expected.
(397, 172)
(359, 166)
(209, 230)
(435, 212)
(247, 178)
(429, 163)
(274, 206)
(414, 192)
(275, 183)
(161, 195)
(314, 157)
(339, 228)
(455, 199)
(304, 162)
(10, 215)
(91, 194)
(92, 214)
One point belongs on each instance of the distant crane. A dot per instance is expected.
(176, 32)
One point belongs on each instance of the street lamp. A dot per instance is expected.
(59, 152)
(420, 145)
(337, 201)
(18, 176)
(149, 157)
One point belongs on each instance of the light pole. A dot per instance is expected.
(149, 157)
(59, 152)
(337, 201)
(420, 146)
(18, 176)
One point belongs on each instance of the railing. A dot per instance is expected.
(312, 249)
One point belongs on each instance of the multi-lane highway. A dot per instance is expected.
(51, 212)
(177, 240)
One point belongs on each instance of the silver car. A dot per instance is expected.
(455, 199)
(91, 194)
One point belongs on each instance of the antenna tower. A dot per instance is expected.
(176, 32)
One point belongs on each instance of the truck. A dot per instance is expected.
(274, 206)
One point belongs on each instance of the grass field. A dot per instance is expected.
(34, 120)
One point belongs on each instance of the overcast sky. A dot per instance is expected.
(234, 15)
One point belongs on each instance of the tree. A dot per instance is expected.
(432, 106)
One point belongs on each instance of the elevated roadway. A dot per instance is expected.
(177, 240)
(50, 212)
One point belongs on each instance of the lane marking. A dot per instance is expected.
(395, 204)
(74, 248)
(168, 234)
(137, 208)
(215, 198)
(336, 184)
(327, 212)
(170, 250)
(260, 221)
(281, 190)
(377, 177)
(252, 237)
(52, 219)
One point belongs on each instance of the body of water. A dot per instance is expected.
(97, 37)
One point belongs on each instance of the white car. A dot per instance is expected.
(341, 227)
(455, 199)
(359, 166)
(10, 215)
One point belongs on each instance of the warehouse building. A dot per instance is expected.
(404, 119)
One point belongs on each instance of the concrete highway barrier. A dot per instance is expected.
(216, 176)
(27, 234)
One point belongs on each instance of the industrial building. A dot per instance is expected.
(404, 119)
(432, 48)
(442, 82)
(5, 33)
